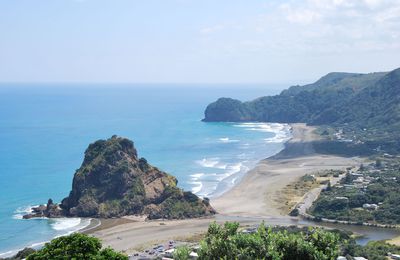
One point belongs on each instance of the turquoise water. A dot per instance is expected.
(44, 131)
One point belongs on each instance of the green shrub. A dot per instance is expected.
(75, 246)
(182, 253)
(225, 242)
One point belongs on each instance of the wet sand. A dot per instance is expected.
(256, 196)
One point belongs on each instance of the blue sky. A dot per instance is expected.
(195, 41)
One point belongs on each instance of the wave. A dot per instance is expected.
(21, 211)
(211, 163)
(229, 170)
(227, 140)
(61, 227)
(64, 223)
(278, 138)
(8, 253)
(207, 184)
(229, 178)
(208, 163)
(281, 131)
(198, 186)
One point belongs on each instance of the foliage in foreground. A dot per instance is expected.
(225, 242)
(76, 246)
(376, 250)
(182, 253)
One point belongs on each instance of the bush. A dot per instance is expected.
(182, 253)
(225, 242)
(75, 246)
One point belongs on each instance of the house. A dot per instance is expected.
(193, 255)
(341, 198)
(393, 256)
(370, 206)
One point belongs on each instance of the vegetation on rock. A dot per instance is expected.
(113, 182)
(367, 105)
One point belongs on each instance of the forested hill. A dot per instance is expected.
(370, 102)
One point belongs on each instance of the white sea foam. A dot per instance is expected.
(63, 226)
(21, 211)
(278, 138)
(228, 140)
(208, 162)
(64, 223)
(281, 131)
(196, 176)
(194, 180)
(8, 253)
(228, 171)
(198, 186)
(211, 163)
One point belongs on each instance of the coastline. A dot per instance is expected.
(92, 224)
(255, 198)
(258, 193)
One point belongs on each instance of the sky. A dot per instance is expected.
(195, 41)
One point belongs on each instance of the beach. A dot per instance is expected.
(257, 196)
(259, 192)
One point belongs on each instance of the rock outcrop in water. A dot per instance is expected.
(114, 182)
(50, 210)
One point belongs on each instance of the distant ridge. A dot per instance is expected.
(362, 102)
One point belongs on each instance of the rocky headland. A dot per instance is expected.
(113, 182)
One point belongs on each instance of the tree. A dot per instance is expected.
(378, 163)
(226, 242)
(75, 246)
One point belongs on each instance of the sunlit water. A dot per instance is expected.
(44, 131)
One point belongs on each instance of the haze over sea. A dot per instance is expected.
(45, 129)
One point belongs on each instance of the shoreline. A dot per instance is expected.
(93, 223)
(253, 199)
(258, 193)
(97, 224)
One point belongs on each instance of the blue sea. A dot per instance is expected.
(45, 129)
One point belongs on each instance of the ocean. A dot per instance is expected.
(45, 129)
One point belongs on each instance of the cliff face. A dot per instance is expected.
(113, 182)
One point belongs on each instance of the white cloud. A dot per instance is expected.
(212, 29)
(302, 16)
(331, 25)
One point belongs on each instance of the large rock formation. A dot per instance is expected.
(113, 182)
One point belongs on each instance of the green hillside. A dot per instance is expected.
(366, 106)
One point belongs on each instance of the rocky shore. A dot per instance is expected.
(114, 182)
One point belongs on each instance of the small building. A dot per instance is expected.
(393, 256)
(169, 253)
(341, 198)
(359, 258)
(370, 206)
(193, 255)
